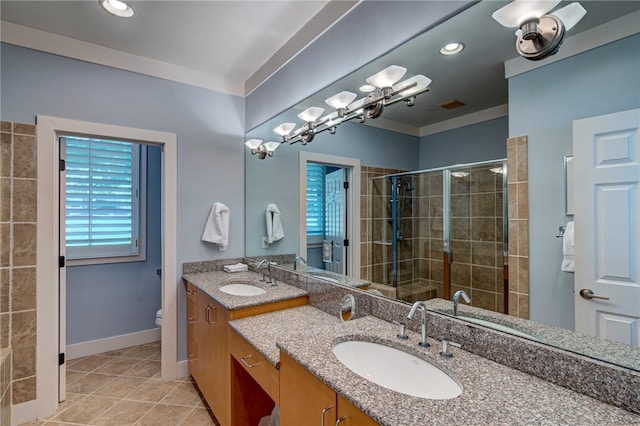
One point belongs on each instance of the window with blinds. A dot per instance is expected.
(315, 199)
(102, 198)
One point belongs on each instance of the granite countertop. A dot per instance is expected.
(492, 393)
(324, 275)
(602, 349)
(210, 282)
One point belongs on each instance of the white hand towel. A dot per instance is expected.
(568, 249)
(274, 224)
(216, 230)
(238, 267)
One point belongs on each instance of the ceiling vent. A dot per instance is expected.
(451, 104)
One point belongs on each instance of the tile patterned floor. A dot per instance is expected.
(123, 387)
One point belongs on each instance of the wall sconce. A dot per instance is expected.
(388, 92)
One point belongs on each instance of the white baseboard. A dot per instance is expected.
(99, 346)
(183, 369)
(23, 413)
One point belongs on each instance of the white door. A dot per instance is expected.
(606, 153)
(62, 282)
(335, 220)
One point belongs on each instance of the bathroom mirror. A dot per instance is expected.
(427, 136)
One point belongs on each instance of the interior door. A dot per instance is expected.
(607, 234)
(62, 280)
(335, 220)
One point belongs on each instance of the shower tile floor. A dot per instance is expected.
(123, 387)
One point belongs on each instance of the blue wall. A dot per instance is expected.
(209, 126)
(468, 144)
(275, 179)
(543, 104)
(119, 298)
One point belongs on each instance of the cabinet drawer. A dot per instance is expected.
(192, 312)
(256, 365)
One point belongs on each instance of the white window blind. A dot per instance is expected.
(102, 197)
(315, 199)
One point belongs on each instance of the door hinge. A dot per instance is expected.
(61, 262)
(61, 359)
(345, 243)
(345, 185)
(63, 165)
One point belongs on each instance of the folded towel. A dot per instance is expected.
(568, 249)
(274, 224)
(216, 229)
(238, 267)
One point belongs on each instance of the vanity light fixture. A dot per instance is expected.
(539, 33)
(451, 48)
(117, 8)
(284, 130)
(386, 91)
(366, 88)
(459, 174)
(309, 117)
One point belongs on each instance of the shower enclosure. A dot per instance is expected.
(441, 230)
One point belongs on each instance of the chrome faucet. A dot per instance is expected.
(456, 296)
(260, 265)
(295, 261)
(423, 322)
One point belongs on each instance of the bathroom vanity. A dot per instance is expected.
(250, 353)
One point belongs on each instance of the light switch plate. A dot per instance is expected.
(265, 242)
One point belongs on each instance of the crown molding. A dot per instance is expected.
(466, 120)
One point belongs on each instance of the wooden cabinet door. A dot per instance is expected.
(214, 359)
(304, 400)
(349, 415)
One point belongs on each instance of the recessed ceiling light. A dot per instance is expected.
(117, 7)
(366, 88)
(451, 48)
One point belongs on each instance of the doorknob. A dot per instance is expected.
(587, 294)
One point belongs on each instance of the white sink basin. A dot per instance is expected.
(238, 289)
(499, 327)
(396, 370)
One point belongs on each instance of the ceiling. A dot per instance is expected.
(238, 41)
(231, 40)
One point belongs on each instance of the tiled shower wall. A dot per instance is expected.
(18, 255)
(477, 235)
(518, 190)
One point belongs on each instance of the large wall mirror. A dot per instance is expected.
(433, 188)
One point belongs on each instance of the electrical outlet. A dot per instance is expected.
(265, 242)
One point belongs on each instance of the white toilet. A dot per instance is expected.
(159, 318)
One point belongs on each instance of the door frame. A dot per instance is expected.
(48, 299)
(353, 203)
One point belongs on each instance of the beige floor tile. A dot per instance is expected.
(86, 410)
(72, 376)
(89, 363)
(117, 352)
(185, 394)
(168, 415)
(140, 352)
(120, 387)
(74, 361)
(157, 355)
(123, 413)
(89, 383)
(157, 344)
(117, 366)
(200, 417)
(145, 368)
(153, 390)
(33, 423)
